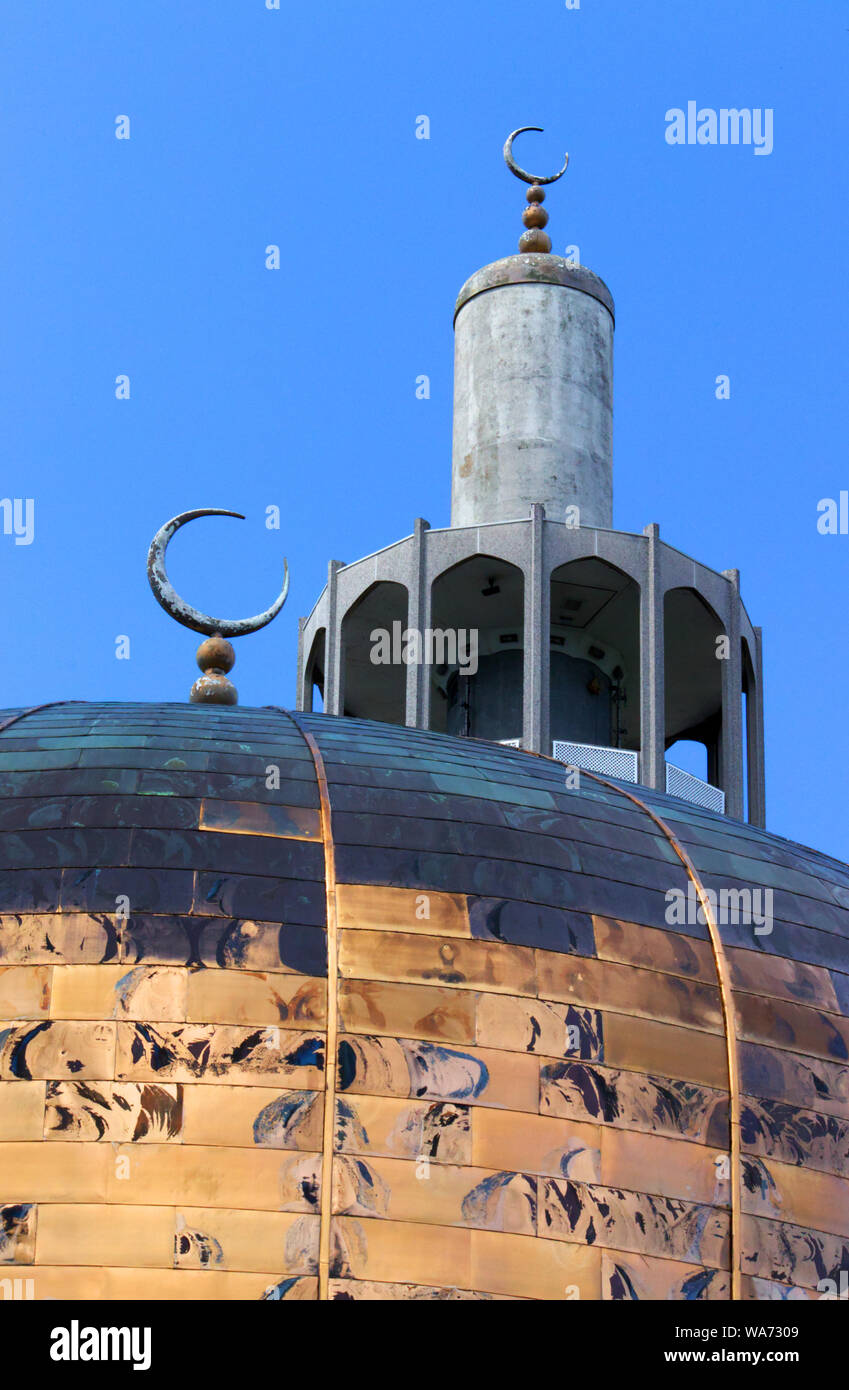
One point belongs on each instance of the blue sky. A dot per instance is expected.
(296, 388)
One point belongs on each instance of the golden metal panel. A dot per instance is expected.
(654, 949)
(665, 1167)
(757, 973)
(367, 1291)
(24, 991)
(627, 989)
(434, 960)
(201, 1176)
(363, 907)
(167, 1285)
(232, 1116)
(641, 1044)
(217, 1239)
(84, 1234)
(417, 1011)
(435, 1193)
(364, 1248)
(544, 1269)
(21, 1110)
(251, 997)
(536, 1144)
(156, 993)
(260, 818)
(38, 1172)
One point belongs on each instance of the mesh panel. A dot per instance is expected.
(690, 788)
(609, 762)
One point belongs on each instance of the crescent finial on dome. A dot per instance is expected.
(215, 656)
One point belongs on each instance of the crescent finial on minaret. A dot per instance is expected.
(215, 656)
(535, 216)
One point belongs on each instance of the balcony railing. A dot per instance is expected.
(690, 788)
(621, 763)
(624, 765)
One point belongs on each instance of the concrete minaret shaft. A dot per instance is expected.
(533, 393)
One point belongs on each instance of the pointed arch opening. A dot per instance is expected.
(477, 649)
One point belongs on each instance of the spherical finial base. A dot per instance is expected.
(535, 240)
(215, 657)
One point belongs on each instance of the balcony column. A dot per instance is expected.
(731, 756)
(334, 695)
(536, 695)
(652, 697)
(418, 618)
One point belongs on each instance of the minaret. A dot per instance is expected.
(530, 620)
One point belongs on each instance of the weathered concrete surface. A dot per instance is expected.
(533, 393)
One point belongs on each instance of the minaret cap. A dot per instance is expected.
(534, 217)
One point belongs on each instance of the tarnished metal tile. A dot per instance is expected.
(782, 979)
(802, 1196)
(56, 938)
(784, 1024)
(116, 1112)
(400, 1128)
(251, 997)
(637, 1278)
(531, 924)
(197, 1051)
(17, 1233)
(774, 1129)
(651, 1104)
(269, 899)
(53, 1051)
(518, 1024)
(804, 1081)
(777, 1250)
(405, 1067)
(240, 1116)
(610, 1217)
